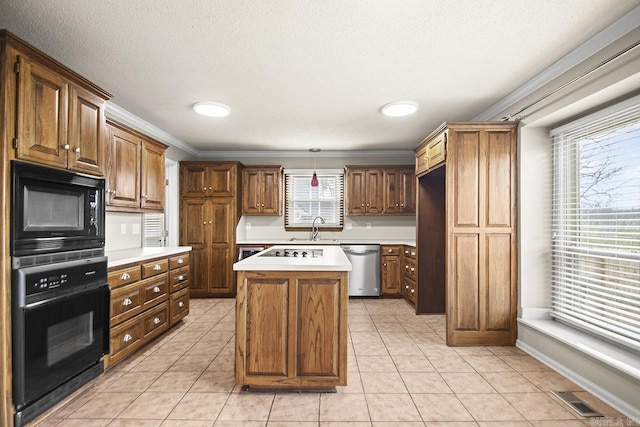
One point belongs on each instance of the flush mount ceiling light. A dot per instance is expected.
(211, 109)
(399, 109)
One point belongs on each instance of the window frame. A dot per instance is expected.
(337, 174)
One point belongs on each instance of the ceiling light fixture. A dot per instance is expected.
(211, 109)
(399, 109)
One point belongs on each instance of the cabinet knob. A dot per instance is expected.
(113, 192)
(257, 205)
(180, 304)
(127, 338)
(125, 276)
(157, 267)
(156, 320)
(402, 205)
(413, 291)
(413, 253)
(181, 261)
(204, 189)
(367, 204)
(127, 302)
(362, 205)
(262, 205)
(413, 269)
(66, 146)
(390, 251)
(156, 289)
(406, 266)
(209, 222)
(180, 277)
(204, 222)
(396, 205)
(144, 196)
(384, 265)
(209, 188)
(77, 149)
(406, 286)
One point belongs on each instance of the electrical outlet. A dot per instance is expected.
(368, 226)
(123, 228)
(136, 229)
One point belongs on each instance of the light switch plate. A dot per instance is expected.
(136, 228)
(123, 228)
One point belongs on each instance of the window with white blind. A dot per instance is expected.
(596, 223)
(304, 202)
(153, 230)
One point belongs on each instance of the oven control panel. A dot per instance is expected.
(71, 274)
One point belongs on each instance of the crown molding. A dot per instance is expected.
(604, 38)
(305, 153)
(124, 117)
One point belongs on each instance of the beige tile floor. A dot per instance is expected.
(400, 374)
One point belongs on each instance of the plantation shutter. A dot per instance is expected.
(303, 202)
(596, 223)
(153, 230)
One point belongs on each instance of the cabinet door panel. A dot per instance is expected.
(124, 170)
(356, 188)
(87, 132)
(199, 270)
(407, 191)
(251, 192)
(498, 295)
(222, 227)
(467, 179)
(220, 273)
(270, 204)
(192, 180)
(152, 176)
(318, 330)
(391, 275)
(498, 200)
(220, 181)
(42, 114)
(464, 294)
(374, 191)
(193, 216)
(267, 326)
(391, 192)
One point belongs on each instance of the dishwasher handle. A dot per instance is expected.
(360, 253)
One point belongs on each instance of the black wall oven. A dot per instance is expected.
(60, 294)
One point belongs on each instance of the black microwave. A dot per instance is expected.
(54, 210)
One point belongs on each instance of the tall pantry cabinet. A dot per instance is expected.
(209, 213)
(466, 229)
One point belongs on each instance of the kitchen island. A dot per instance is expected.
(291, 318)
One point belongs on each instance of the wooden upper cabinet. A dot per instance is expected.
(261, 190)
(399, 191)
(384, 190)
(364, 191)
(60, 120)
(431, 152)
(123, 178)
(152, 168)
(135, 175)
(208, 180)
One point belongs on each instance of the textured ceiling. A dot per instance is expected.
(303, 73)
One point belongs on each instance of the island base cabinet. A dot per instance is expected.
(291, 329)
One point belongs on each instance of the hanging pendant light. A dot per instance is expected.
(314, 178)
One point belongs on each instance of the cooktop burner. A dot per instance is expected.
(295, 253)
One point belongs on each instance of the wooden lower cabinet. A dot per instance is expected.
(147, 298)
(391, 270)
(291, 329)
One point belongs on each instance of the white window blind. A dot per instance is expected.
(596, 223)
(303, 202)
(153, 230)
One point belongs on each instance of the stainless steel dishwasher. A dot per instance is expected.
(364, 278)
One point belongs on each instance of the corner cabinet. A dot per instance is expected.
(380, 190)
(262, 190)
(59, 116)
(466, 231)
(209, 215)
(135, 178)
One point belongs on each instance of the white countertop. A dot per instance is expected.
(126, 256)
(332, 259)
(327, 242)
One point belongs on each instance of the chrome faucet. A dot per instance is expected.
(314, 229)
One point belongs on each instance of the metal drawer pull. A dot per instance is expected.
(413, 269)
(406, 286)
(77, 149)
(156, 320)
(156, 289)
(157, 267)
(180, 304)
(413, 291)
(127, 302)
(127, 338)
(413, 253)
(390, 251)
(125, 276)
(180, 277)
(180, 261)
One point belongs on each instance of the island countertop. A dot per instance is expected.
(332, 259)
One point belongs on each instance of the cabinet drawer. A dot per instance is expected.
(154, 268)
(410, 290)
(390, 250)
(126, 302)
(124, 276)
(410, 252)
(178, 261)
(179, 305)
(154, 290)
(410, 268)
(125, 339)
(178, 279)
(155, 321)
